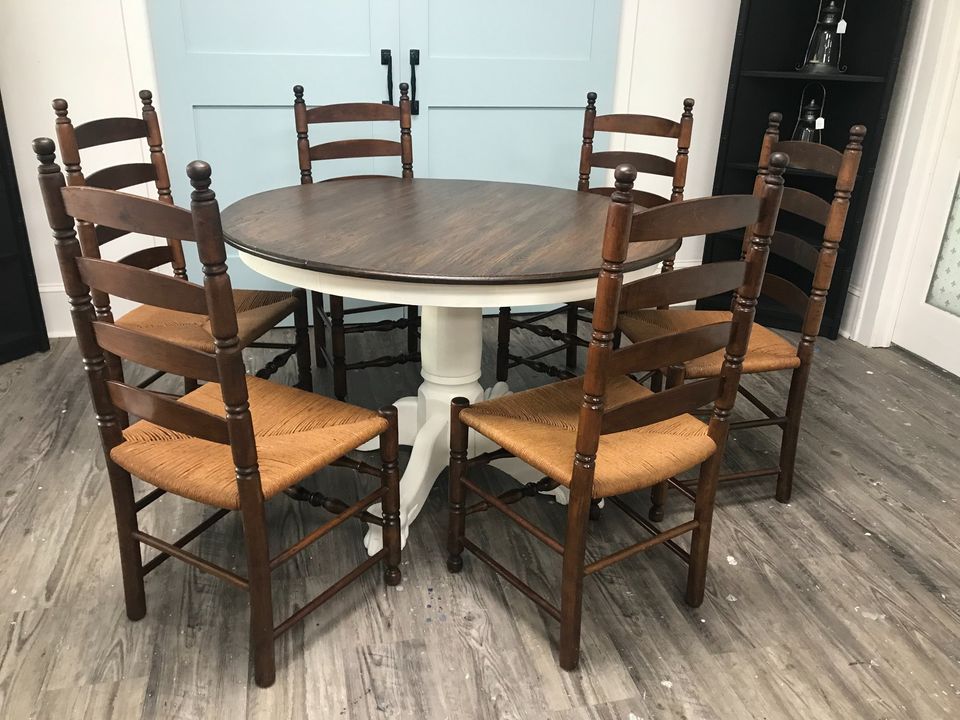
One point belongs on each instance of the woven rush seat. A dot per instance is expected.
(540, 427)
(297, 433)
(257, 312)
(766, 351)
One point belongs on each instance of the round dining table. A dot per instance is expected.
(452, 247)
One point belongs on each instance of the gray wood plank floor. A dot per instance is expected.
(843, 604)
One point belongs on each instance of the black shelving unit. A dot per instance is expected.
(771, 41)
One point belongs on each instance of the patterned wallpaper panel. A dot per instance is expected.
(944, 290)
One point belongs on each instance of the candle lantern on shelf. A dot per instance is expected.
(810, 122)
(823, 49)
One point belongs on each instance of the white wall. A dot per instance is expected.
(94, 53)
(671, 50)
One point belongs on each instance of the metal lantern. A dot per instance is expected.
(810, 120)
(823, 49)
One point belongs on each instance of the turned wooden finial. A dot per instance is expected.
(773, 123)
(146, 97)
(591, 99)
(857, 134)
(625, 175)
(298, 93)
(44, 149)
(688, 107)
(778, 164)
(199, 173)
(404, 89)
(60, 107)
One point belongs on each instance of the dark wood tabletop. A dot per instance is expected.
(436, 231)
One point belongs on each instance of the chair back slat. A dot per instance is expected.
(148, 258)
(806, 205)
(143, 286)
(642, 199)
(701, 216)
(674, 348)
(339, 149)
(638, 125)
(128, 212)
(661, 406)
(794, 249)
(684, 285)
(786, 293)
(106, 234)
(643, 162)
(162, 410)
(118, 177)
(155, 353)
(811, 156)
(352, 112)
(109, 130)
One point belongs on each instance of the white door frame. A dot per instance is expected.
(891, 230)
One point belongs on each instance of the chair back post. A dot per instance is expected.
(406, 140)
(680, 168)
(744, 305)
(82, 312)
(303, 138)
(159, 162)
(832, 235)
(223, 326)
(771, 136)
(616, 240)
(586, 149)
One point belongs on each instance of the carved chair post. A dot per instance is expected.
(615, 242)
(744, 310)
(109, 420)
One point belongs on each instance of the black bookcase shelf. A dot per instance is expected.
(771, 39)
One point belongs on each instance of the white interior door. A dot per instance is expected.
(928, 322)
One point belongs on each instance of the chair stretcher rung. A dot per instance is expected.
(541, 601)
(516, 517)
(191, 559)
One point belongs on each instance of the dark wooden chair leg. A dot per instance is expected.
(503, 344)
(791, 432)
(319, 328)
(658, 493)
(258, 575)
(339, 342)
(413, 337)
(572, 327)
(571, 588)
(301, 324)
(458, 466)
(131, 561)
(391, 501)
(700, 540)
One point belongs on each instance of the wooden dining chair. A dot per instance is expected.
(232, 444)
(769, 351)
(604, 434)
(334, 319)
(258, 311)
(576, 312)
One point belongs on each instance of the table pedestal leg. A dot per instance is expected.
(451, 340)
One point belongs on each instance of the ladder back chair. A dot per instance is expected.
(232, 444)
(604, 434)
(650, 126)
(358, 148)
(769, 351)
(258, 310)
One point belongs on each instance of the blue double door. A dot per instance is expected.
(500, 84)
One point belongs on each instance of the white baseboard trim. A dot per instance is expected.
(851, 310)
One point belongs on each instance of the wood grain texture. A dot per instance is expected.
(453, 231)
(836, 598)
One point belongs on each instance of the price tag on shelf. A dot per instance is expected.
(820, 124)
(841, 27)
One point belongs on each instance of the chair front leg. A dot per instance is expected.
(319, 328)
(791, 431)
(574, 551)
(258, 576)
(456, 520)
(339, 341)
(302, 327)
(391, 502)
(572, 327)
(658, 493)
(503, 344)
(131, 561)
(700, 541)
